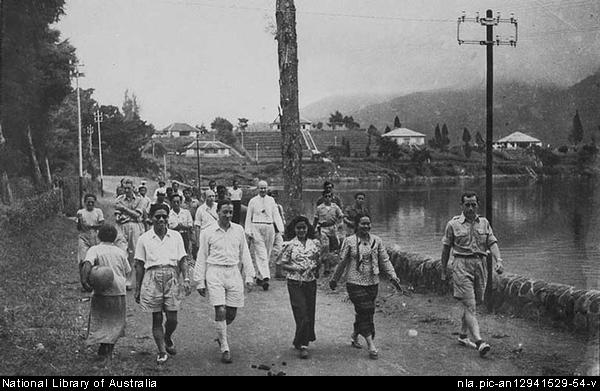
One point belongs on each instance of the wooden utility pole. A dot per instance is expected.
(291, 148)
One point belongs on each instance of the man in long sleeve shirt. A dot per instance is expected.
(222, 247)
(262, 213)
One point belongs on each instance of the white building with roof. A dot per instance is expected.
(304, 124)
(177, 129)
(405, 136)
(516, 140)
(210, 149)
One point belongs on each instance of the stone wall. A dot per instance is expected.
(563, 305)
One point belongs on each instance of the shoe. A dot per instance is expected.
(467, 342)
(162, 358)
(354, 342)
(483, 348)
(218, 342)
(170, 347)
(226, 357)
(373, 354)
(304, 352)
(265, 286)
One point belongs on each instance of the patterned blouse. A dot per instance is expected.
(364, 269)
(306, 256)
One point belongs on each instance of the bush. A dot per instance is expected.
(25, 214)
(563, 149)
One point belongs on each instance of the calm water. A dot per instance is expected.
(548, 231)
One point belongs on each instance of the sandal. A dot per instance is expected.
(373, 355)
(354, 342)
(162, 358)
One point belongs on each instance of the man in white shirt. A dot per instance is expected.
(206, 214)
(222, 247)
(262, 213)
(161, 261)
(235, 195)
(162, 188)
(180, 220)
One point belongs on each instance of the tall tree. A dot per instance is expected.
(397, 123)
(291, 147)
(387, 129)
(445, 137)
(131, 109)
(466, 137)
(576, 135)
(479, 140)
(336, 117)
(437, 138)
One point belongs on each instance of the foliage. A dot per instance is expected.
(576, 135)
(388, 148)
(479, 140)
(224, 130)
(466, 138)
(387, 129)
(26, 214)
(546, 156)
(563, 149)
(445, 138)
(339, 118)
(397, 123)
(202, 129)
(436, 142)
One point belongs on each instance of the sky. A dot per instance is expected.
(193, 60)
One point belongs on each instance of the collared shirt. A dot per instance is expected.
(107, 254)
(329, 215)
(334, 200)
(161, 190)
(467, 238)
(206, 216)
(134, 203)
(145, 204)
(306, 256)
(263, 210)
(154, 251)
(224, 248)
(235, 194)
(362, 260)
(351, 212)
(183, 217)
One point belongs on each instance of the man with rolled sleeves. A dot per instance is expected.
(129, 214)
(470, 237)
(262, 213)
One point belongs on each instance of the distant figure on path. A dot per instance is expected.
(180, 220)
(235, 195)
(363, 256)
(89, 221)
(278, 241)
(261, 216)
(161, 264)
(300, 258)
(145, 205)
(128, 214)
(206, 215)
(328, 187)
(107, 307)
(176, 190)
(350, 212)
(328, 216)
(190, 203)
(222, 247)
(160, 189)
(470, 236)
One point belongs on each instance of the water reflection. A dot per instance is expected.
(545, 230)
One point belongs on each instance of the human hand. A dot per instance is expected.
(443, 275)
(187, 287)
(499, 266)
(202, 292)
(136, 295)
(249, 286)
(332, 285)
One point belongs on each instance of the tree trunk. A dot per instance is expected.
(291, 148)
(35, 166)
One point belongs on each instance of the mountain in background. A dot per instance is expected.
(320, 110)
(543, 111)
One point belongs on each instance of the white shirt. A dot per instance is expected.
(205, 216)
(153, 251)
(263, 210)
(160, 189)
(223, 247)
(183, 217)
(235, 194)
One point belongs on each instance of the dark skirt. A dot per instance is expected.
(237, 209)
(303, 297)
(107, 319)
(363, 298)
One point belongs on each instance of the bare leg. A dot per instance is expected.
(158, 332)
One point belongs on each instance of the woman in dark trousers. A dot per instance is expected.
(300, 258)
(362, 256)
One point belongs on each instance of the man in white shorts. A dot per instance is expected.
(222, 247)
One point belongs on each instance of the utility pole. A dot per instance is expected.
(489, 22)
(76, 73)
(198, 157)
(90, 130)
(291, 147)
(99, 117)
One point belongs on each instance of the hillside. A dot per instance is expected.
(320, 111)
(543, 111)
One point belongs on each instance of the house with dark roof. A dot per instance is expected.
(176, 129)
(516, 140)
(210, 149)
(405, 136)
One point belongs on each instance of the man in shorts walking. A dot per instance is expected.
(161, 263)
(470, 236)
(222, 247)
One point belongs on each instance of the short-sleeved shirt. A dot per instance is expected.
(334, 200)
(156, 252)
(94, 217)
(351, 212)
(206, 216)
(183, 217)
(329, 215)
(362, 260)
(468, 239)
(134, 203)
(191, 205)
(235, 194)
(107, 254)
(304, 255)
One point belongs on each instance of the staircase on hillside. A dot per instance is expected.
(531, 172)
(310, 143)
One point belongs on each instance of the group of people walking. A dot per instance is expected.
(223, 260)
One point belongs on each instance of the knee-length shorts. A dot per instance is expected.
(225, 285)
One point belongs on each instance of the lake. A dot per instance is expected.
(546, 230)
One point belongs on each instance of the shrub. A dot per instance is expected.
(563, 149)
(25, 214)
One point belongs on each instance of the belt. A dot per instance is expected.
(219, 265)
(260, 222)
(478, 256)
(325, 225)
(162, 267)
